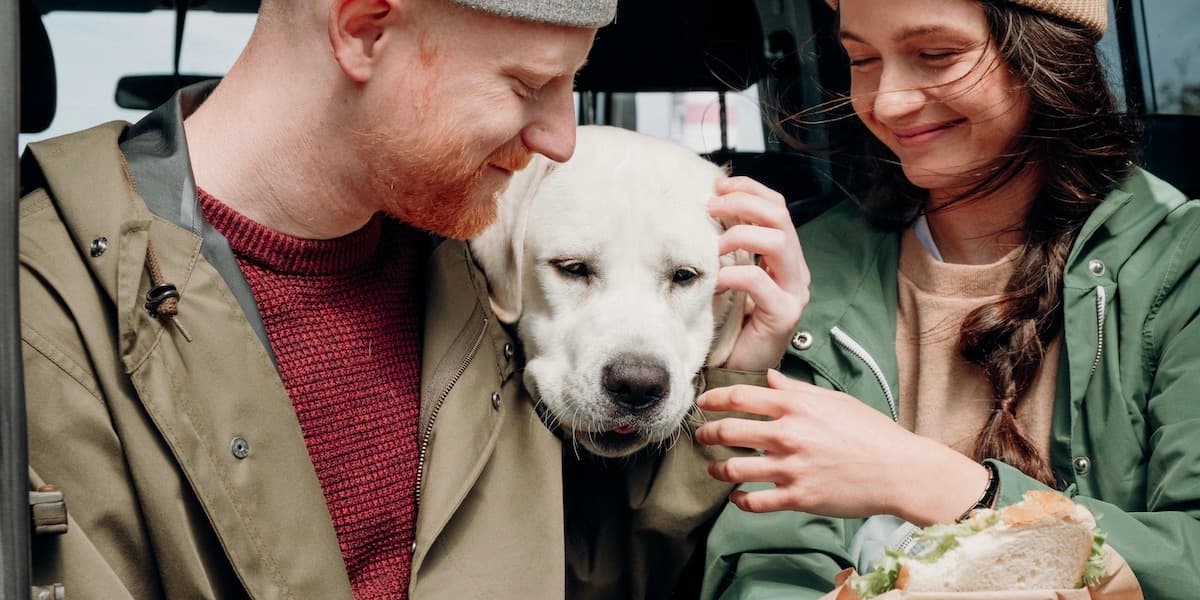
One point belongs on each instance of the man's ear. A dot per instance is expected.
(500, 249)
(356, 34)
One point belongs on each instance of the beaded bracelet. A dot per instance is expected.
(988, 498)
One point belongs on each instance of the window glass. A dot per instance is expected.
(1110, 53)
(92, 50)
(694, 119)
(1173, 51)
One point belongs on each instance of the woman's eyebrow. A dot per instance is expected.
(902, 35)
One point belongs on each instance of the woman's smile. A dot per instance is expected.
(915, 137)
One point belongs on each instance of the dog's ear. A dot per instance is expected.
(729, 308)
(500, 249)
(729, 312)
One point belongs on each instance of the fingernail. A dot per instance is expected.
(714, 202)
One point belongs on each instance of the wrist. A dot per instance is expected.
(949, 486)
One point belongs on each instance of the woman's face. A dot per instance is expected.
(928, 81)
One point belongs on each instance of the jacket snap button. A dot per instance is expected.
(99, 245)
(1096, 266)
(496, 400)
(1082, 465)
(508, 351)
(803, 340)
(240, 447)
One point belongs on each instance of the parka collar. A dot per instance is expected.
(155, 150)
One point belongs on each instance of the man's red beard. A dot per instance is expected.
(435, 187)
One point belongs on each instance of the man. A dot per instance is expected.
(252, 377)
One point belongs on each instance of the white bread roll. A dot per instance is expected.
(1040, 543)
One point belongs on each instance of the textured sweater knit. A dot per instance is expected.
(942, 396)
(344, 320)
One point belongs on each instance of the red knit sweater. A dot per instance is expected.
(344, 319)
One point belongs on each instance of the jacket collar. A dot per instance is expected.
(155, 150)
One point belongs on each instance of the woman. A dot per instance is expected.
(1021, 312)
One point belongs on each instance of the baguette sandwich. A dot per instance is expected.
(1044, 542)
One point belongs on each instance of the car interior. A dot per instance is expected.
(784, 47)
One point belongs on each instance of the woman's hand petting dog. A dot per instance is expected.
(777, 286)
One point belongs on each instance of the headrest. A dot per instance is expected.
(39, 86)
(677, 45)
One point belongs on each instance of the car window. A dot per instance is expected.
(92, 50)
(1172, 49)
(694, 119)
(1110, 51)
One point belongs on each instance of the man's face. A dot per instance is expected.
(463, 102)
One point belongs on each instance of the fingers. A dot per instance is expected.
(743, 398)
(745, 469)
(779, 381)
(756, 240)
(748, 208)
(775, 310)
(760, 501)
(747, 185)
(738, 433)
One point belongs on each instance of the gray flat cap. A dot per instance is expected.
(573, 13)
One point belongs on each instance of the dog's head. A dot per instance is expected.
(607, 264)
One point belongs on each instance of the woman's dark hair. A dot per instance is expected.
(1082, 146)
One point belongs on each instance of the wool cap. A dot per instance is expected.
(572, 13)
(1092, 14)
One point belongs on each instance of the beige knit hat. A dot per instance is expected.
(1092, 14)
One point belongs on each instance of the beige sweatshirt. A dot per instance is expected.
(942, 396)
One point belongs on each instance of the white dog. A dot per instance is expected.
(607, 264)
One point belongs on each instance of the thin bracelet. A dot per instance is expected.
(988, 497)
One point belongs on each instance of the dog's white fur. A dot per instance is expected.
(631, 210)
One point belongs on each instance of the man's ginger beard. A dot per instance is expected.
(433, 185)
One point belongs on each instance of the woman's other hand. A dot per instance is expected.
(830, 454)
(777, 286)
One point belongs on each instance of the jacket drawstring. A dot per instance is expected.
(162, 301)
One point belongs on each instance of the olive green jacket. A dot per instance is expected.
(137, 424)
(1126, 427)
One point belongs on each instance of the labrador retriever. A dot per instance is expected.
(607, 266)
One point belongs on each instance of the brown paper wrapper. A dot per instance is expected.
(1120, 584)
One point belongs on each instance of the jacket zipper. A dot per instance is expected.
(1101, 298)
(437, 407)
(905, 543)
(861, 353)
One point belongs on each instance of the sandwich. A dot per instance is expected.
(1044, 542)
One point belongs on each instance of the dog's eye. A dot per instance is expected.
(684, 275)
(573, 268)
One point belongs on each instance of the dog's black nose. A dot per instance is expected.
(635, 382)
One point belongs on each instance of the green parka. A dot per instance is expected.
(183, 464)
(1125, 440)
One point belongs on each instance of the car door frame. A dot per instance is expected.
(14, 478)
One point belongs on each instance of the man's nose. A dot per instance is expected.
(552, 133)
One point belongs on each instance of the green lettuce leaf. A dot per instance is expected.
(881, 580)
(1095, 569)
(936, 540)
